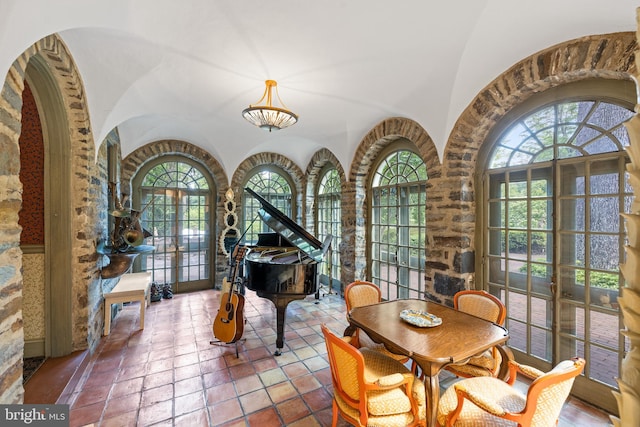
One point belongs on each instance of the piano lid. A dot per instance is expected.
(290, 230)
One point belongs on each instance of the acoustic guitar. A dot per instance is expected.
(228, 325)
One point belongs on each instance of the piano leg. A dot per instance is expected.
(281, 303)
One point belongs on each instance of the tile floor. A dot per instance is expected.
(170, 375)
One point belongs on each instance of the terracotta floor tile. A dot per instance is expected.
(296, 369)
(126, 387)
(85, 415)
(188, 403)
(248, 384)
(153, 414)
(126, 419)
(159, 365)
(185, 372)
(170, 375)
(267, 417)
(199, 418)
(316, 363)
(255, 401)
(318, 399)
(282, 391)
(128, 372)
(292, 410)
(220, 393)
(306, 383)
(258, 353)
(155, 395)
(213, 365)
(107, 365)
(240, 371)
(185, 359)
(100, 378)
(190, 385)
(216, 378)
(122, 404)
(272, 377)
(308, 421)
(226, 411)
(263, 365)
(157, 379)
(92, 395)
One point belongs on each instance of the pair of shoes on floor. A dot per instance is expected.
(167, 293)
(156, 295)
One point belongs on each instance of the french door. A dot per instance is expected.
(182, 254)
(398, 226)
(554, 243)
(175, 200)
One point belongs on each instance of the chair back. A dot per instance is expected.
(480, 304)
(347, 367)
(360, 293)
(547, 393)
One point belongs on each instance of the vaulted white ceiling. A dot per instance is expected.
(168, 69)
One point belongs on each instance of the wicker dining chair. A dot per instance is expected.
(360, 293)
(489, 402)
(371, 389)
(486, 306)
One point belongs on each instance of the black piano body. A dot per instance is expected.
(283, 266)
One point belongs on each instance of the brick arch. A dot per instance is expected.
(68, 128)
(354, 212)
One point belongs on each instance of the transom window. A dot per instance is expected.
(562, 131)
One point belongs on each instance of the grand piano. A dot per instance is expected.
(283, 266)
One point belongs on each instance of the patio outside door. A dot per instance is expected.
(555, 239)
(179, 220)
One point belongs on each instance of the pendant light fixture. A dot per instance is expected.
(266, 116)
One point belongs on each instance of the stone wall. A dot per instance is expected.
(62, 76)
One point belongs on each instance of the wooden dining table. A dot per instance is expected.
(459, 337)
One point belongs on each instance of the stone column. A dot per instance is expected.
(628, 397)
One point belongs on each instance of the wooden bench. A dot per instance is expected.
(131, 287)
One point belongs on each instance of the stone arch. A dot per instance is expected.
(450, 266)
(353, 248)
(320, 159)
(71, 223)
(134, 161)
(318, 162)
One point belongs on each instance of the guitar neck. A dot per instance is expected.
(238, 255)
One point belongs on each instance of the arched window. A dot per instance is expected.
(398, 226)
(175, 199)
(554, 190)
(329, 214)
(274, 188)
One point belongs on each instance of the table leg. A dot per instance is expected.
(507, 355)
(432, 388)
